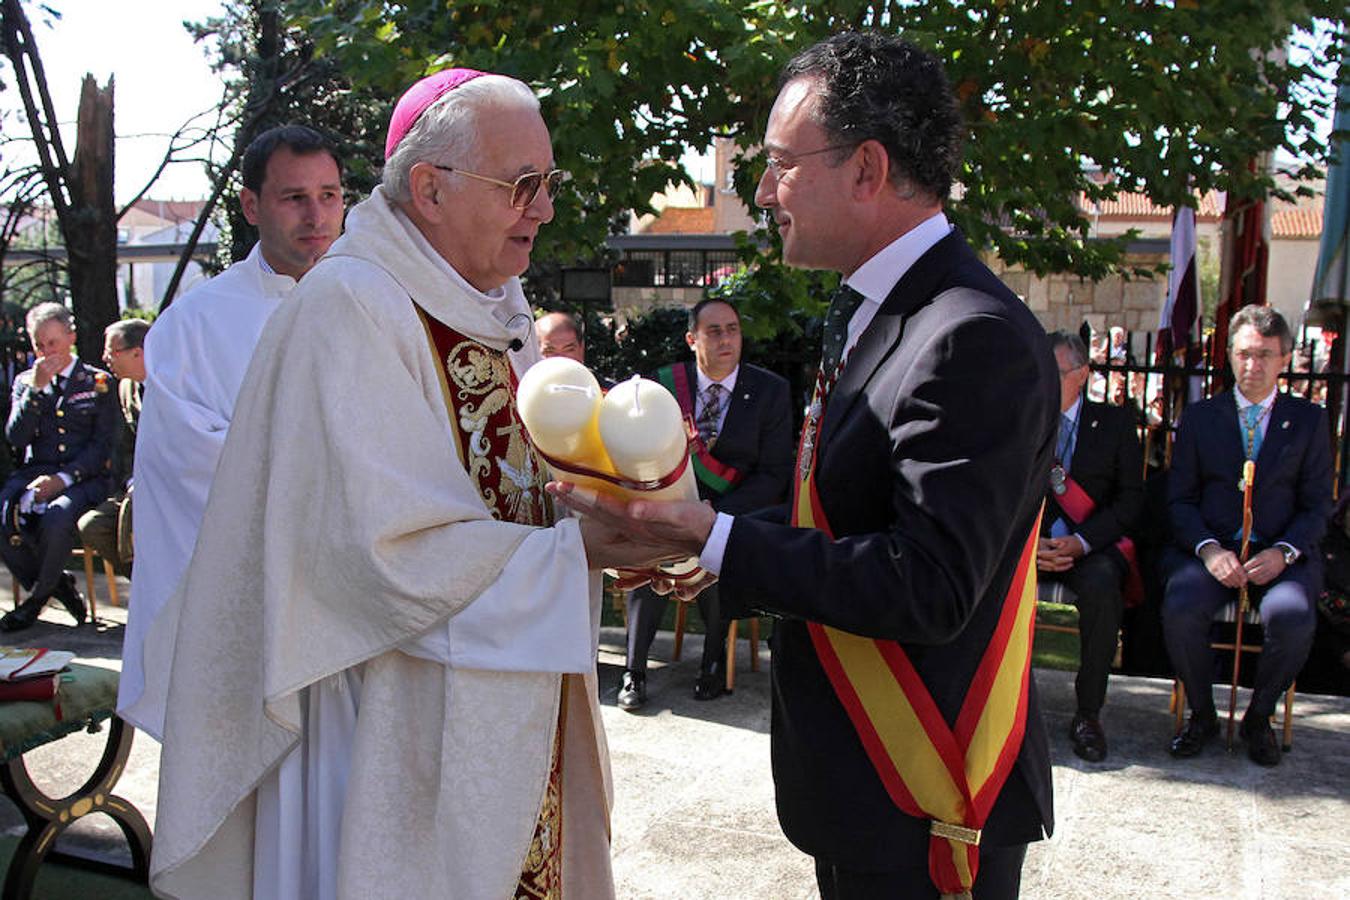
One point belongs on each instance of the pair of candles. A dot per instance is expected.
(635, 432)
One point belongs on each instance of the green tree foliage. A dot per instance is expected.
(1162, 97)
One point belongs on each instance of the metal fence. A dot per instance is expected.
(674, 268)
(1160, 388)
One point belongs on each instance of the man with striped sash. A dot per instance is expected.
(742, 460)
(908, 752)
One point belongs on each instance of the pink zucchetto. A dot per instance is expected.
(417, 98)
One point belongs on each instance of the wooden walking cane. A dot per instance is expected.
(1248, 476)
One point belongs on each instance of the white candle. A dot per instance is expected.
(558, 400)
(643, 432)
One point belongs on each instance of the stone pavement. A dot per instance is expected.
(694, 814)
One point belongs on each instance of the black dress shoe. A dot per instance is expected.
(1193, 737)
(710, 686)
(72, 599)
(632, 690)
(15, 620)
(1262, 747)
(1089, 740)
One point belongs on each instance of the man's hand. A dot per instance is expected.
(1058, 554)
(1224, 565)
(46, 488)
(609, 547)
(45, 369)
(680, 527)
(1266, 566)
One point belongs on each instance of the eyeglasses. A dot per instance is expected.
(1260, 356)
(777, 164)
(525, 188)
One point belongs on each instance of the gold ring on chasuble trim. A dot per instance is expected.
(955, 832)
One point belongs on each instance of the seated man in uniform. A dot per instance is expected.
(62, 423)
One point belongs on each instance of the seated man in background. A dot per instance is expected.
(1291, 500)
(62, 422)
(1095, 496)
(106, 529)
(743, 462)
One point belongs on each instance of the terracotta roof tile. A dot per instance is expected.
(1296, 221)
(683, 220)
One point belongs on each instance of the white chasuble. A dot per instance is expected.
(368, 664)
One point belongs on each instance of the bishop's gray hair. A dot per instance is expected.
(448, 131)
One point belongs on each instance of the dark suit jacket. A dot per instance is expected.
(1291, 499)
(756, 438)
(1107, 463)
(73, 433)
(932, 457)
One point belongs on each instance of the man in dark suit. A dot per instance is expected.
(62, 421)
(921, 470)
(1095, 496)
(106, 529)
(743, 462)
(1291, 500)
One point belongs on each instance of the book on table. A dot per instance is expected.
(31, 673)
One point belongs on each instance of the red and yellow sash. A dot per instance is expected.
(950, 776)
(1077, 505)
(717, 476)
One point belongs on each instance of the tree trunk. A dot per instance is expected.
(91, 230)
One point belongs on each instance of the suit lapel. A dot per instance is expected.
(915, 288)
(1228, 423)
(1279, 431)
(1089, 434)
(739, 411)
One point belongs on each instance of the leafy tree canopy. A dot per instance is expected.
(1090, 98)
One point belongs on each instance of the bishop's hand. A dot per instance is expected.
(680, 527)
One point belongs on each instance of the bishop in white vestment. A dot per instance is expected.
(383, 652)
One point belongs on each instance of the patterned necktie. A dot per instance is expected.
(1065, 437)
(1252, 436)
(843, 305)
(712, 411)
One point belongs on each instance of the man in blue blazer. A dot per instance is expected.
(1291, 499)
(919, 483)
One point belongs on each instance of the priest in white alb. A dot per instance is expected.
(383, 653)
(196, 356)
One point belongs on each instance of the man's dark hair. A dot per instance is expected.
(129, 332)
(1078, 352)
(703, 304)
(1266, 321)
(878, 87)
(299, 139)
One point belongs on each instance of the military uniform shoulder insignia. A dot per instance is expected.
(100, 382)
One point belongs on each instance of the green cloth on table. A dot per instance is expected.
(87, 694)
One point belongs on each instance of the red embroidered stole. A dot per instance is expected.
(479, 388)
(950, 776)
(710, 472)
